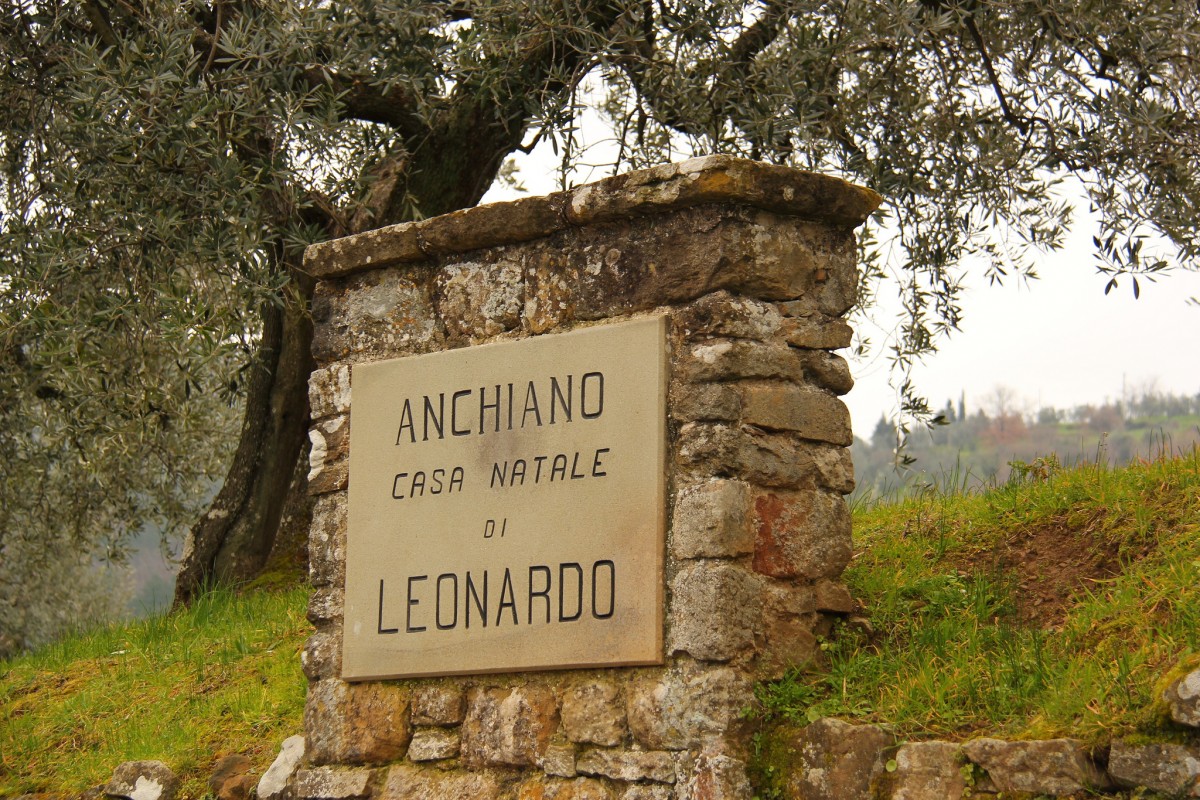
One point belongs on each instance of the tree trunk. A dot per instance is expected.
(232, 542)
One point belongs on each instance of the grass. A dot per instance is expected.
(957, 644)
(222, 677)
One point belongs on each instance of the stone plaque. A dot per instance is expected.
(506, 506)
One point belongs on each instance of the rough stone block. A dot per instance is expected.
(480, 298)
(688, 704)
(543, 788)
(274, 784)
(1056, 767)
(438, 704)
(715, 607)
(705, 402)
(647, 791)
(327, 541)
(629, 765)
(142, 780)
(734, 359)
(837, 761)
(508, 726)
(327, 783)
(326, 604)
(1183, 699)
(415, 783)
(322, 654)
(928, 771)
(812, 330)
(716, 776)
(559, 761)
(834, 596)
(329, 391)
(829, 371)
(594, 712)
(712, 520)
(384, 313)
(433, 744)
(758, 457)
(1172, 769)
(803, 533)
(329, 455)
(724, 315)
(357, 723)
(811, 413)
(788, 622)
(493, 224)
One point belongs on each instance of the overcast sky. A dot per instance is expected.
(1057, 341)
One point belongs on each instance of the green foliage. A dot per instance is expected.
(222, 677)
(959, 649)
(163, 163)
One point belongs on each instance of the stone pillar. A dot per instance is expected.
(753, 267)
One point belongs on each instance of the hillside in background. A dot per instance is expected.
(975, 448)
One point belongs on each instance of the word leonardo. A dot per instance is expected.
(501, 407)
(539, 595)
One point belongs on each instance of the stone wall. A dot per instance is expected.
(754, 267)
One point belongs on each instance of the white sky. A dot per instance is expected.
(1057, 341)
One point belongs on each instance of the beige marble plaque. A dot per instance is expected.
(507, 506)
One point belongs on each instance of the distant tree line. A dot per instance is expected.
(974, 447)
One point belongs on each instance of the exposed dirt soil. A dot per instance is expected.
(1050, 566)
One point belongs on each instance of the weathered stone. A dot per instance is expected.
(379, 314)
(758, 457)
(811, 413)
(356, 723)
(327, 541)
(1183, 699)
(492, 224)
(433, 744)
(142, 780)
(724, 315)
(328, 783)
(811, 330)
(829, 371)
(322, 654)
(715, 606)
(508, 726)
(541, 788)
(414, 783)
(928, 771)
(712, 520)
(789, 619)
(328, 456)
(735, 359)
(559, 760)
(718, 178)
(478, 299)
(373, 249)
(833, 596)
(1172, 769)
(686, 705)
(834, 466)
(329, 391)
(326, 604)
(629, 765)
(1056, 767)
(647, 791)
(438, 704)
(705, 402)
(801, 533)
(275, 782)
(229, 780)
(716, 776)
(594, 712)
(837, 761)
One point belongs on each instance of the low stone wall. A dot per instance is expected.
(753, 268)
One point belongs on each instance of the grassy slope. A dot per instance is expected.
(223, 677)
(961, 644)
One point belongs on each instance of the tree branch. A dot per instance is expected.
(1005, 109)
(361, 100)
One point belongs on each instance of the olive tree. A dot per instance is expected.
(165, 163)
